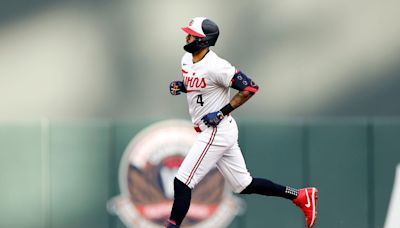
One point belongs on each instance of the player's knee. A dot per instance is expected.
(248, 189)
(181, 189)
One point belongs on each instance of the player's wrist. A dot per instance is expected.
(182, 86)
(227, 109)
(220, 115)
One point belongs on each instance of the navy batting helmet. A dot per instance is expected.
(204, 30)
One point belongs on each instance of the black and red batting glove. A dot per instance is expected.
(212, 119)
(176, 88)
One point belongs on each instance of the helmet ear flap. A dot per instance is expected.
(203, 42)
(212, 38)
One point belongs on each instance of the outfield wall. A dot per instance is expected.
(62, 173)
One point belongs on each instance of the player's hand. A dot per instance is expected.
(176, 88)
(213, 119)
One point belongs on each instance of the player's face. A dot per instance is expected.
(190, 38)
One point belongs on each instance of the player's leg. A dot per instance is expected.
(200, 159)
(180, 207)
(233, 167)
(266, 187)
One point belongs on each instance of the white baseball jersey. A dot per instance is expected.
(207, 83)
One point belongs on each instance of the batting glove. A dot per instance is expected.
(213, 119)
(176, 87)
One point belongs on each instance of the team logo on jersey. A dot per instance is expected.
(194, 82)
(146, 174)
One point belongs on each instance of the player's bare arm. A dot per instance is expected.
(240, 98)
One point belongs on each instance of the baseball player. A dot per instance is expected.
(207, 80)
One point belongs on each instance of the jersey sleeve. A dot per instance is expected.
(222, 73)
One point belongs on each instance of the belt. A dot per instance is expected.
(197, 129)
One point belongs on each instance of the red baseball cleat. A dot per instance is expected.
(307, 201)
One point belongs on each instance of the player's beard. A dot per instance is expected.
(193, 47)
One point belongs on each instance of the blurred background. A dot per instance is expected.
(78, 79)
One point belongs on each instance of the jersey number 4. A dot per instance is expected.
(200, 100)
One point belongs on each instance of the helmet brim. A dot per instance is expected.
(190, 31)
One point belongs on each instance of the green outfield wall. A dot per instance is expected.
(59, 174)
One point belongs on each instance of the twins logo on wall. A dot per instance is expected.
(146, 174)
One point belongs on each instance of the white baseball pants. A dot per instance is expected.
(216, 147)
